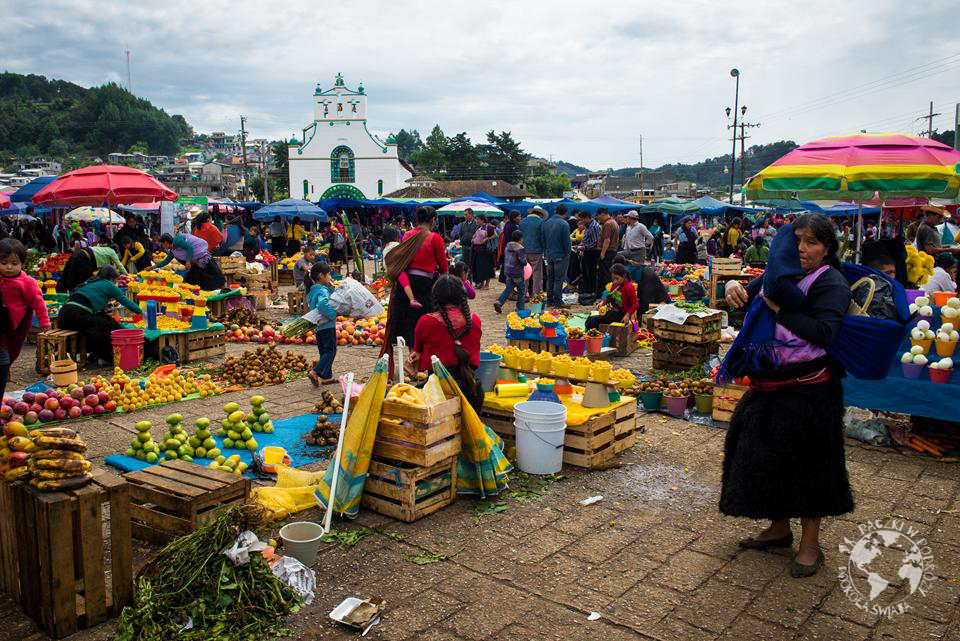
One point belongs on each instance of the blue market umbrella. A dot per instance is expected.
(291, 208)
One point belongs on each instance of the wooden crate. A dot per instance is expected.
(623, 339)
(230, 265)
(409, 492)
(274, 272)
(586, 445)
(297, 302)
(422, 436)
(194, 346)
(696, 329)
(174, 498)
(285, 277)
(625, 429)
(65, 581)
(725, 266)
(725, 400)
(718, 282)
(60, 344)
(680, 355)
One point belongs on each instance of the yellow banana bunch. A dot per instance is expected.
(406, 394)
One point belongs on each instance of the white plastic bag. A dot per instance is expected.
(352, 299)
(432, 391)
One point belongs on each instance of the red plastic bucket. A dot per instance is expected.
(127, 348)
(594, 345)
(576, 346)
(940, 375)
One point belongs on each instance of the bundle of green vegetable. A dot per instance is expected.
(192, 584)
(296, 328)
(690, 307)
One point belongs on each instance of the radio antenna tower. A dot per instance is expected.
(129, 81)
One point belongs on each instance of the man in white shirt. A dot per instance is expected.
(636, 239)
(944, 275)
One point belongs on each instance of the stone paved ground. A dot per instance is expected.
(654, 558)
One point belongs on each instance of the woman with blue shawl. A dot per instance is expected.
(783, 455)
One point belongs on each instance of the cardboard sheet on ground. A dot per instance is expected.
(287, 433)
(577, 414)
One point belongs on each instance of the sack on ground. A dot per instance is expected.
(351, 298)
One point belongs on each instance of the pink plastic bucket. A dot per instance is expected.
(127, 348)
(676, 405)
(576, 346)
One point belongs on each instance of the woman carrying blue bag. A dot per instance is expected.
(784, 451)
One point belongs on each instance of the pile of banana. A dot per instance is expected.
(58, 462)
(406, 394)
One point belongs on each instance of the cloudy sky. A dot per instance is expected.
(577, 81)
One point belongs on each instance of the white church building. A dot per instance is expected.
(338, 156)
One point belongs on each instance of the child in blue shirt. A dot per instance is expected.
(319, 287)
(669, 253)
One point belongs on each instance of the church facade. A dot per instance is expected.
(337, 156)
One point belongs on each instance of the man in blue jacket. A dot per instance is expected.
(556, 249)
(532, 228)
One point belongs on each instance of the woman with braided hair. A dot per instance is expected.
(452, 334)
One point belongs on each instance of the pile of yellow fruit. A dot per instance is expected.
(547, 317)
(919, 266)
(288, 261)
(532, 322)
(514, 321)
(172, 387)
(165, 323)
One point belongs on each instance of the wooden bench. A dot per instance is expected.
(59, 344)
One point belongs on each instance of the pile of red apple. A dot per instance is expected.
(55, 405)
(244, 334)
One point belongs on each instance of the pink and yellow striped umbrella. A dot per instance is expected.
(857, 166)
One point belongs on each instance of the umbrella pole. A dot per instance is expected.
(856, 257)
(332, 501)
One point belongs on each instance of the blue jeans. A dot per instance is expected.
(514, 282)
(327, 346)
(556, 274)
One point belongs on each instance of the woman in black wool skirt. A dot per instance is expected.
(783, 456)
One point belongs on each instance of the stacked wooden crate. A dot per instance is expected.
(725, 399)
(231, 266)
(413, 471)
(682, 347)
(589, 444)
(67, 557)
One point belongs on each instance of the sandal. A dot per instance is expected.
(314, 378)
(328, 381)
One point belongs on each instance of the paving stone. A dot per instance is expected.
(619, 573)
(714, 606)
(661, 542)
(838, 604)
(600, 545)
(826, 627)
(747, 628)
(418, 614)
(539, 545)
(686, 570)
(642, 606)
(673, 629)
(585, 520)
(533, 519)
(947, 530)
(753, 569)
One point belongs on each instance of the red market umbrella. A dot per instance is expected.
(4, 201)
(101, 184)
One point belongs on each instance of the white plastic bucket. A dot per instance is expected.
(540, 428)
(301, 540)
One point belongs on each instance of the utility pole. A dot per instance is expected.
(956, 127)
(641, 166)
(129, 81)
(929, 118)
(733, 154)
(743, 146)
(243, 148)
(265, 173)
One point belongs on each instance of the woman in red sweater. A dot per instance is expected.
(620, 300)
(452, 334)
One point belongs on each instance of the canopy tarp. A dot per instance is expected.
(840, 209)
(291, 208)
(25, 194)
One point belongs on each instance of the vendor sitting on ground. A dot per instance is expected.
(192, 251)
(452, 334)
(620, 301)
(85, 312)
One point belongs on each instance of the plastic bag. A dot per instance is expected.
(433, 391)
(292, 493)
(351, 298)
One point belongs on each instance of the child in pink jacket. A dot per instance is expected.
(20, 299)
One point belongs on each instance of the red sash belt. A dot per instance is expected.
(813, 378)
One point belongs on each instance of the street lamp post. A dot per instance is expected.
(733, 154)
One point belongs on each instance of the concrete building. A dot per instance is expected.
(338, 156)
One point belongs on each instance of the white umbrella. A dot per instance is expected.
(89, 214)
(457, 209)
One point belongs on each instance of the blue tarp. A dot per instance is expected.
(840, 209)
(291, 208)
(26, 193)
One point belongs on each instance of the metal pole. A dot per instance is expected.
(956, 127)
(733, 154)
(243, 144)
(856, 258)
(332, 500)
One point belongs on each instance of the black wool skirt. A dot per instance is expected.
(783, 455)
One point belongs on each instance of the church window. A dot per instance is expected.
(305, 183)
(342, 165)
(379, 187)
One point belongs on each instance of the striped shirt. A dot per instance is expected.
(591, 236)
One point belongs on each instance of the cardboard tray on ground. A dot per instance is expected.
(66, 559)
(589, 444)
(175, 498)
(423, 436)
(409, 492)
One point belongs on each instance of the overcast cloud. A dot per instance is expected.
(578, 81)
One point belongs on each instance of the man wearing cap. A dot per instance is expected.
(532, 228)
(636, 238)
(928, 236)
